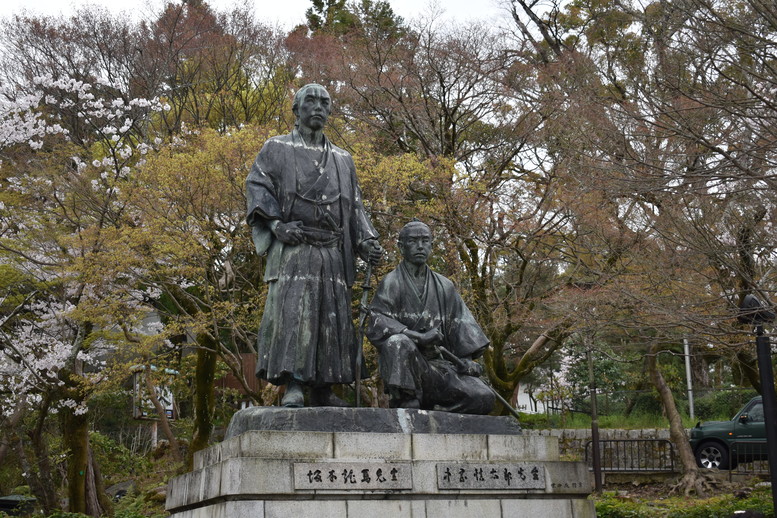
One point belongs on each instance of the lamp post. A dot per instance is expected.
(763, 349)
(753, 312)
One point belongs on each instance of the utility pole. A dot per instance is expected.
(688, 375)
(597, 462)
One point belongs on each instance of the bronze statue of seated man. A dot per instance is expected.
(426, 336)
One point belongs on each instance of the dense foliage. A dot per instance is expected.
(599, 175)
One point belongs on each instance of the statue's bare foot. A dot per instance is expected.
(294, 397)
(323, 396)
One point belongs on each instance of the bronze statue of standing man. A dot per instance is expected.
(306, 213)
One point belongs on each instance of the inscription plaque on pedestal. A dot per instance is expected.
(353, 475)
(472, 475)
(374, 474)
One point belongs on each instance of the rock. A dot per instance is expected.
(122, 489)
(157, 495)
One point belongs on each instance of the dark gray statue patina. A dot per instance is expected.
(306, 213)
(415, 317)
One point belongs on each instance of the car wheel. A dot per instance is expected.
(711, 455)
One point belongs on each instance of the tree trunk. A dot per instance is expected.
(641, 385)
(747, 365)
(5, 439)
(84, 483)
(76, 436)
(160, 410)
(204, 379)
(97, 501)
(693, 479)
(31, 477)
(47, 494)
(506, 383)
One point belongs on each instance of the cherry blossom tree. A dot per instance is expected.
(66, 154)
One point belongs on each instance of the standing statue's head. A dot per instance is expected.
(415, 242)
(312, 106)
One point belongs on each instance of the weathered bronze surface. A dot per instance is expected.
(307, 217)
(416, 316)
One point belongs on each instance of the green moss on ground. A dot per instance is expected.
(612, 504)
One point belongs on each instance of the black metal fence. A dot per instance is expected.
(633, 455)
(748, 458)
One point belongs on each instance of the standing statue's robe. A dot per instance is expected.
(398, 305)
(307, 332)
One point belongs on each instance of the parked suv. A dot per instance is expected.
(722, 444)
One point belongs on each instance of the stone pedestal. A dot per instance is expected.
(417, 470)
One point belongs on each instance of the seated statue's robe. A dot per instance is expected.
(399, 305)
(307, 333)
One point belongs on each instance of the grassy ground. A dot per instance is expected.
(577, 420)
(655, 501)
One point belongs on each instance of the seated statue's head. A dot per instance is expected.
(312, 106)
(415, 242)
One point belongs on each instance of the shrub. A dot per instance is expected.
(721, 404)
(609, 505)
(725, 506)
(137, 507)
(538, 421)
(647, 403)
(116, 461)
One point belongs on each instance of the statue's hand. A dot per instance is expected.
(426, 338)
(470, 368)
(433, 336)
(289, 233)
(371, 251)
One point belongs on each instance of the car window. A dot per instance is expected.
(756, 414)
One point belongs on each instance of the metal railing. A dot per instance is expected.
(748, 458)
(633, 455)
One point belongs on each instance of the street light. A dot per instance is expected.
(753, 312)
